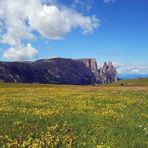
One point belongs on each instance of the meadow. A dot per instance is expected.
(62, 116)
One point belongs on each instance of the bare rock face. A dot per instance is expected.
(90, 63)
(106, 74)
(58, 71)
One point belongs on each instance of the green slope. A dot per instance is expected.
(132, 82)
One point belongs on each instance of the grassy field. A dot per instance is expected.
(132, 82)
(113, 116)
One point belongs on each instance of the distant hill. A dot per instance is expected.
(132, 82)
(58, 71)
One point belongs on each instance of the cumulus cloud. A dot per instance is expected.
(20, 52)
(19, 19)
(53, 23)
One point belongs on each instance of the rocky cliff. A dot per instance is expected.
(106, 74)
(58, 71)
(90, 63)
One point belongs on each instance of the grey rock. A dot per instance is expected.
(58, 71)
(106, 74)
(90, 63)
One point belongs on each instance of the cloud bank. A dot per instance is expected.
(129, 68)
(19, 19)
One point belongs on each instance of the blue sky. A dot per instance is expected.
(120, 36)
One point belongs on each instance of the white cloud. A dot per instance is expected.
(129, 68)
(53, 23)
(20, 18)
(21, 52)
(133, 68)
(108, 1)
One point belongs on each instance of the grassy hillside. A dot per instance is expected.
(132, 82)
(34, 115)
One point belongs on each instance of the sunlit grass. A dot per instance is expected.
(132, 82)
(33, 115)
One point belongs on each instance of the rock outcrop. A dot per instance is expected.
(58, 71)
(106, 74)
(103, 75)
(90, 63)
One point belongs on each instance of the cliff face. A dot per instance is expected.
(106, 74)
(90, 63)
(103, 75)
(58, 71)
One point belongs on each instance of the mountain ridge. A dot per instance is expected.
(58, 71)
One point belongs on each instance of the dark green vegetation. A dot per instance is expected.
(74, 116)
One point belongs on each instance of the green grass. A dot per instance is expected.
(132, 82)
(74, 116)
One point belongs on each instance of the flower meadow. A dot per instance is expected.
(62, 116)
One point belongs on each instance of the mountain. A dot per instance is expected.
(58, 71)
(107, 74)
